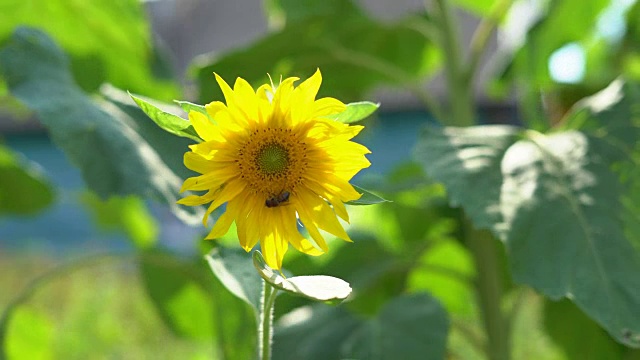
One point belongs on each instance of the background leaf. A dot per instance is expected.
(112, 151)
(467, 161)
(577, 335)
(99, 51)
(31, 335)
(479, 7)
(582, 253)
(24, 190)
(354, 52)
(180, 293)
(169, 122)
(355, 112)
(234, 268)
(316, 287)
(129, 214)
(408, 327)
(367, 198)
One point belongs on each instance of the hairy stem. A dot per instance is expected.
(265, 326)
(461, 104)
(489, 288)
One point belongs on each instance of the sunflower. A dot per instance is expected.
(275, 158)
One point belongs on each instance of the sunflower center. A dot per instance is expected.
(272, 158)
(272, 161)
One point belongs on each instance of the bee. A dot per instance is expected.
(277, 200)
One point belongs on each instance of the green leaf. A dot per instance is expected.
(409, 327)
(447, 272)
(293, 11)
(355, 112)
(355, 54)
(478, 7)
(554, 201)
(366, 265)
(106, 41)
(583, 250)
(467, 161)
(178, 290)
(316, 287)
(169, 122)
(128, 214)
(30, 335)
(24, 190)
(367, 198)
(170, 148)
(577, 335)
(187, 107)
(113, 150)
(234, 270)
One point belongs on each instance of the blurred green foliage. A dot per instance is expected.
(25, 189)
(106, 41)
(560, 193)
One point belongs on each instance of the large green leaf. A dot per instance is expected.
(408, 327)
(564, 233)
(24, 189)
(555, 200)
(293, 11)
(234, 268)
(180, 293)
(354, 52)
(117, 154)
(467, 161)
(167, 121)
(577, 335)
(315, 287)
(107, 41)
(446, 271)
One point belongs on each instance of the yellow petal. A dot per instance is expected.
(291, 233)
(198, 163)
(264, 92)
(253, 226)
(214, 108)
(226, 90)
(311, 227)
(327, 106)
(195, 200)
(323, 215)
(246, 99)
(221, 226)
(273, 244)
(281, 103)
(231, 190)
(335, 201)
(211, 180)
(303, 97)
(205, 129)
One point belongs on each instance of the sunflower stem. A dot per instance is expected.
(265, 326)
(481, 243)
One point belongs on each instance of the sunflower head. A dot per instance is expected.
(276, 159)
